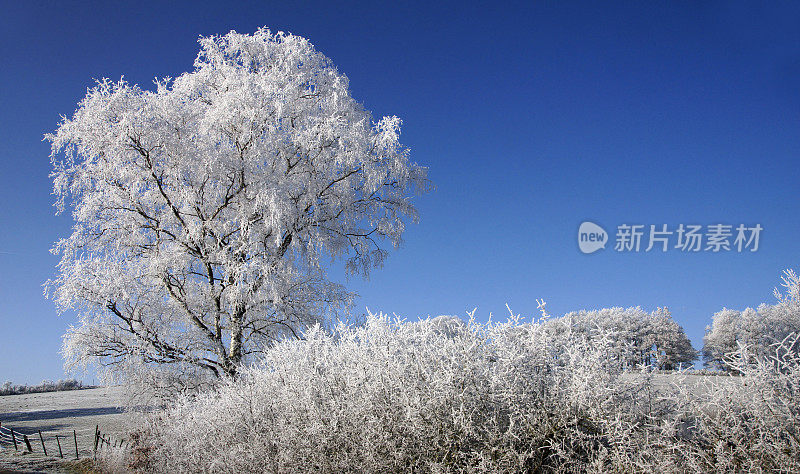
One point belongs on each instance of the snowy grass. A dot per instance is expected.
(60, 413)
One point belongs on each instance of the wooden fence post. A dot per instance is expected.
(42, 440)
(96, 439)
(14, 437)
(60, 454)
(75, 437)
(27, 443)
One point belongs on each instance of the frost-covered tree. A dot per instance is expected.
(206, 209)
(639, 338)
(758, 329)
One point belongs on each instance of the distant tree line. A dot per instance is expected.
(761, 330)
(634, 337)
(9, 388)
(630, 338)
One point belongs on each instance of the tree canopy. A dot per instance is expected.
(206, 209)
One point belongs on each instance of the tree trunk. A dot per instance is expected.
(235, 356)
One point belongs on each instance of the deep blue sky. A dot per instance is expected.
(532, 119)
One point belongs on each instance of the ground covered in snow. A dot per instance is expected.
(59, 413)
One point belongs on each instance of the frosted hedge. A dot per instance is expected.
(443, 395)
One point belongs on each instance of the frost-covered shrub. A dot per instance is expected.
(751, 423)
(114, 459)
(438, 395)
(445, 395)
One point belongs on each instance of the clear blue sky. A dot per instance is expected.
(532, 119)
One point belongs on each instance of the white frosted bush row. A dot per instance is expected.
(442, 395)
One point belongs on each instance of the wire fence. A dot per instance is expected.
(62, 444)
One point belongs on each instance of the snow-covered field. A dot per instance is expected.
(59, 413)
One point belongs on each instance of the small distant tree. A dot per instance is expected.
(206, 209)
(672, 347)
